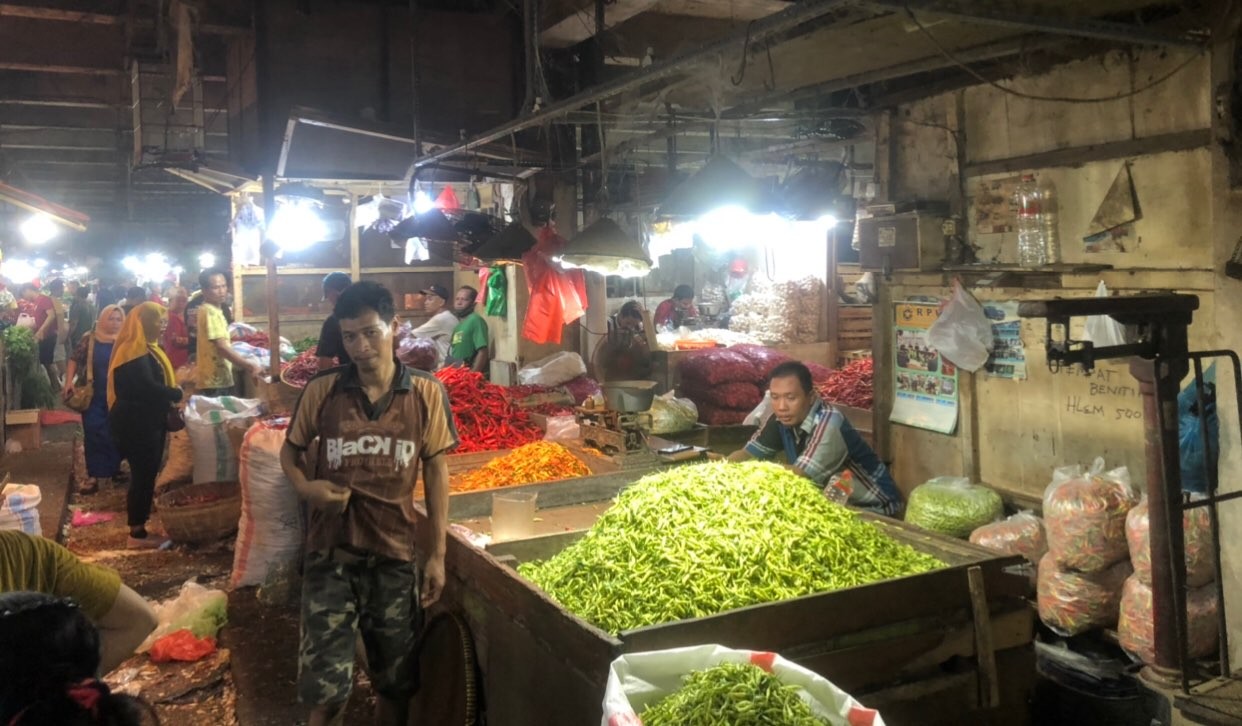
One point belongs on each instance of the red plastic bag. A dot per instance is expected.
(557, 297)
(182, 645)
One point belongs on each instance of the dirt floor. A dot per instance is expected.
(251, 679)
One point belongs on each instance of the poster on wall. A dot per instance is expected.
(1008, 358)
(926, 383)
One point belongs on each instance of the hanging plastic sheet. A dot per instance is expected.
(497, 293)
(557, 297)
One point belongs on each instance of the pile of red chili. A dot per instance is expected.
(850, 386)
(486, 417)
(300, 370)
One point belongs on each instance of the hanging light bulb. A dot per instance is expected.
(605, 248)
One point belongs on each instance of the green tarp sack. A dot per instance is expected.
(497, 292)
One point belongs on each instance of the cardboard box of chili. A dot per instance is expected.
(928, 648)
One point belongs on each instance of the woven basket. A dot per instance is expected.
(200, 523)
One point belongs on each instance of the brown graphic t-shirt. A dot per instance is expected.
(375, 450)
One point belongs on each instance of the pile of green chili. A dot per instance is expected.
(732, 694)
(694, 541)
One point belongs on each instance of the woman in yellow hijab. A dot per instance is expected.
(141, 391)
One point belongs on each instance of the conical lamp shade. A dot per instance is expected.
(605, 248)
(720, 183)
(512, 242)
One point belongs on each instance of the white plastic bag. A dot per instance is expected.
(962, 333)
(672, 415)
(19, 508)
(761, 412)
(562, 428)
(25, 320)
(638, 680)
(195, 608)
(553, 370)
(1103, 330)
(269, 534)
(216, 426)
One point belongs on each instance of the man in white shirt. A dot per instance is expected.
(439, 329)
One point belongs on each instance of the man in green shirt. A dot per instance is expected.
(468, 346)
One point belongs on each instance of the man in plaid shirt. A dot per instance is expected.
(819, 443)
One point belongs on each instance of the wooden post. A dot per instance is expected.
(831, 328)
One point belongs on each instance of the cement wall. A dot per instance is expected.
(1013, 433)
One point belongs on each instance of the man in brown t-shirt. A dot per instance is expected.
(373, 423)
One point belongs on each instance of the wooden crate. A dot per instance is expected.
(907, 646)
(23, 426)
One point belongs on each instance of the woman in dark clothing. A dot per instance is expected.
(141, 392)
(102, 459)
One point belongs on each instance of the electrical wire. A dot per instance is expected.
(1033, 97)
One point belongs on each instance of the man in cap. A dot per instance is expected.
(439, 328)
(331, 346)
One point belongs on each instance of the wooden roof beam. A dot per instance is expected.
(31, 12)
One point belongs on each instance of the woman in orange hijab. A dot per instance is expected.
(141, 392)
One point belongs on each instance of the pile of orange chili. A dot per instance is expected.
(540, 461)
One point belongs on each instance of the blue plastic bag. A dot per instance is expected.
(1190, 428)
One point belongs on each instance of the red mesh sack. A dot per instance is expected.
(716, 416)
(764, 358)
(819, 374)
(720, 365)
(737, 396)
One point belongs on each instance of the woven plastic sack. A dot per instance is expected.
(1075, 602)
(721, 365)
(1136, 624)
(639, 680)
(179, 465)
(953, 506)
(19, 508)
(1021, 534)
(269, 533)
(214, 424)
(1197, 537)
(1085, 516)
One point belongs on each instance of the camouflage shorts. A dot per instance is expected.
(344, 593)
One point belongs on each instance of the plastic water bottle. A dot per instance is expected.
(1048, 219)
(840, 487)
(1032, 240)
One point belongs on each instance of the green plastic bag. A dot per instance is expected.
(497, 292)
